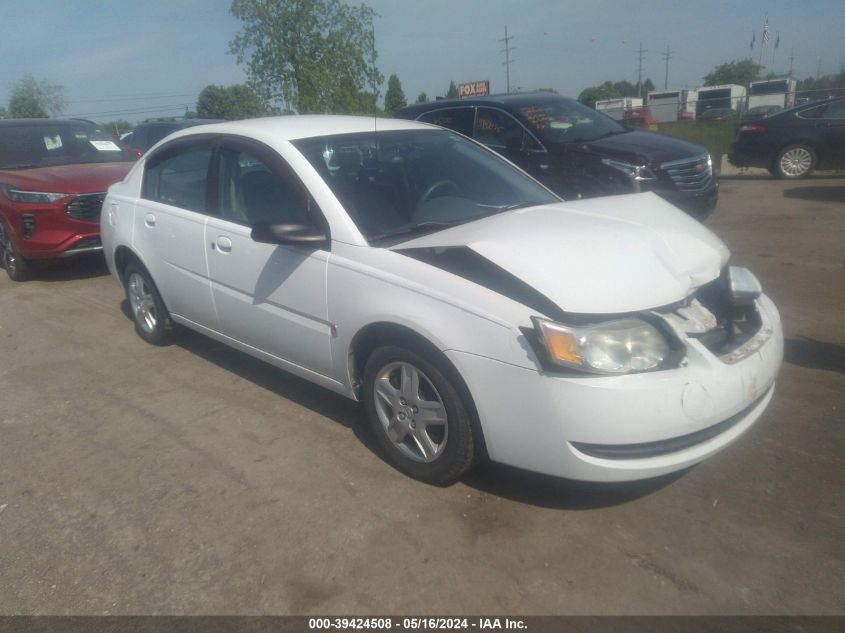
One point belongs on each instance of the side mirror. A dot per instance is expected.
(288, 234)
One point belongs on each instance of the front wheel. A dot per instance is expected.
(152, 321)
(417, 415)
(16, 266)
(795, 161)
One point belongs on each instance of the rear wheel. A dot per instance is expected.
(16, 266)
(417, 415)
(152, 321)
(795, 161)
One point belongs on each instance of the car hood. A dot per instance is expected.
(599, 256)
(646, 147)
(78, 178)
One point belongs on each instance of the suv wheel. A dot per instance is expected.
(16, 266)
(795, 161)
(152, 321)
(417, 416)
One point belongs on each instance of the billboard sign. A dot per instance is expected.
(474, 89)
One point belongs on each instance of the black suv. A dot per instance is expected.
(148, 133)
(792, 143)
(578, 152)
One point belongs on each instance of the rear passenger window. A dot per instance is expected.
(458, 119)
(179, 180)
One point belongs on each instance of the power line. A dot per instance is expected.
(131, 98)
(507, 63)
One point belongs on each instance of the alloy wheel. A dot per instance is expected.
(142, 302)
(411, 411)
(796, 162)
(8, 256)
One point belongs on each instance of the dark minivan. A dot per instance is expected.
(578, 152)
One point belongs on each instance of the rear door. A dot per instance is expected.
(170, 227)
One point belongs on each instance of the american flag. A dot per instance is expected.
(766, 31)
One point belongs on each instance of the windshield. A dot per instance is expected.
(395, 184)
(567, 121)
(47, 144)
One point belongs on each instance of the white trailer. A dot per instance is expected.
(671, 105)
(614, 108)
(779, 92)
(726, 96)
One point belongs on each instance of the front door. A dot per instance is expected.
(272, 298)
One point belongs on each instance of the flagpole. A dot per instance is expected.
(774, 48)
(763, 42)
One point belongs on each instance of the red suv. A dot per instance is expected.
(53, 178)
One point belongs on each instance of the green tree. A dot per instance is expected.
(611, 90)
(308, 55)
(232, 102)
(734, 72)
(422, 97)
(394, 98)
(33, 98)
(822, 87)
(3, 113)
(452, 93)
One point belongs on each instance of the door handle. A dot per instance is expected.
(222, 244)
(150, 220)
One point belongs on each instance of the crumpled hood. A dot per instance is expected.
(603, 255)
(76, 178)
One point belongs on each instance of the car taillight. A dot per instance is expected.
(753, 128)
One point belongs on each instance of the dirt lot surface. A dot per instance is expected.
(193, 479)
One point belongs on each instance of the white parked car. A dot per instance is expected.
(474, 313)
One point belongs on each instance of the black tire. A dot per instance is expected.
(456, 450)
(794, 162)
(17, 268)
(151, 318)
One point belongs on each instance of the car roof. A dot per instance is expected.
(298, 126)
(517, 100)
(21, 122)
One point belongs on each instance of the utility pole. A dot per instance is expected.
(640, 52)
(819, 69)
(791, 59)
(667, 56)
(507, 63)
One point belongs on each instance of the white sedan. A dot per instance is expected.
(474, 313)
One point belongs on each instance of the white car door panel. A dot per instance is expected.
(171, 240)
(270, 297)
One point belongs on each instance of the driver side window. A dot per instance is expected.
(251, 192)
(498, 129)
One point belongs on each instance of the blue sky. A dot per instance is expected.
(134, 60)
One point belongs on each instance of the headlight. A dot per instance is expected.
(614, 347)
(32, 197)
(744, 286)
(637, 173)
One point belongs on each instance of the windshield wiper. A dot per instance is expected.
(417, 229)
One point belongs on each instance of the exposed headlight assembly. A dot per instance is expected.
(743, 285)
(32, 197)
(614, 347)
(636, 173)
